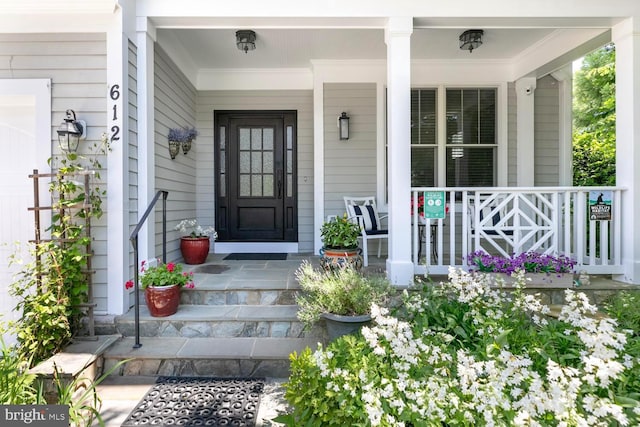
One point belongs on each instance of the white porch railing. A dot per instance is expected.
(506, 221)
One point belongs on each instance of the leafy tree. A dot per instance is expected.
(594, 119)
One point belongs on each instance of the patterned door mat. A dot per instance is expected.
(199, 401)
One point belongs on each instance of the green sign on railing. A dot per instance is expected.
(434, 205)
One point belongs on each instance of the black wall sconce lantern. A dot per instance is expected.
(70, 132)
(471, 39)
(246, 40)
(343, 126)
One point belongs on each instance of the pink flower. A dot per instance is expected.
(170, 267)
(190, 285)
(129, 284)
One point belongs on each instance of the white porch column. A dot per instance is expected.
(565, 138)
(146, 36)
(626, 37)
(525, 89)
(117, 172)
(398, 40)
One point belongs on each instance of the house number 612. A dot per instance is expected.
(114, 94)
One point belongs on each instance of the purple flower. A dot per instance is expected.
(530, 262)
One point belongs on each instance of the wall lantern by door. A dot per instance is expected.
(343, 126)
(70, 132)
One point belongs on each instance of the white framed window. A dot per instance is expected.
(460, 122)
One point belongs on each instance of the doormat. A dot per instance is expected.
(211, 269)
(199, 401)
(255, 257)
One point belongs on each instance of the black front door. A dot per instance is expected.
(255, 179)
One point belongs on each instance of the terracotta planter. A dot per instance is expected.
(162, 301)
(332, 259)
(338, 325)
(194, 249)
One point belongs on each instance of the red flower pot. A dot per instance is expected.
(162, 301)
(194, 249)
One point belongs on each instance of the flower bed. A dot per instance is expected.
(541, 270)
(466, 354)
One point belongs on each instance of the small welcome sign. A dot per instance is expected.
(600, 205)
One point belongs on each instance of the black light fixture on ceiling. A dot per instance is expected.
(246, 40)
(71, 131)
(471, 39)
(343, 126)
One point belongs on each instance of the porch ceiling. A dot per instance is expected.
(295, 48)
(527, 46)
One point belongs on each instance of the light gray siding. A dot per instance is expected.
(76, 64)
(547, 133)
(512, 120)
(175, 101)
(349, 166)
(298, 100)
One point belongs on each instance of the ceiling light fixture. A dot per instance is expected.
(246, 40)
(471, 39)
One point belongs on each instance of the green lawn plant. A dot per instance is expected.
(465, 353)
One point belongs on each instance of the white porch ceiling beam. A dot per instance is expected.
(557, 50)
(384, 8)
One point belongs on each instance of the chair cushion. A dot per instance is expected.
(376, 232)
(369, 215)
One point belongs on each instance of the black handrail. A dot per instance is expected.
(134, 241)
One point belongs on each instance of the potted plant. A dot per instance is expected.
(161, 284)
(343, 297)
(195, 241)
(340, 244)
(181, 137)
(540, 269)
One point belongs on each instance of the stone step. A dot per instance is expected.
(218, 357)
(264, 293)
(218, 321)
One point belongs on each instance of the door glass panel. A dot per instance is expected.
(268, 186)
(245, 185)
(267, 139)
(256, 139)
(256, 162)
(267, 165)
(222, 164)
(245, 162)
(245, 139)
(256, 185)
(289, 160)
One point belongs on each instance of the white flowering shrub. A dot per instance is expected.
(466, 354)
(191, 228)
